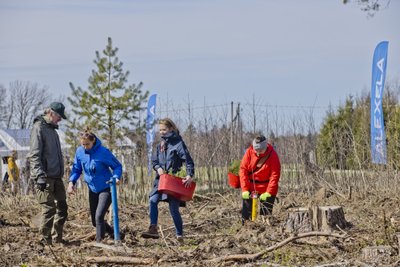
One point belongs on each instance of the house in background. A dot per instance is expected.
(18, 140)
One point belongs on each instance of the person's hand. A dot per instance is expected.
(160, 171)
(41, 184)
(71, 188)
(117, 181)
(246, 195)
(264, 196)
(187, 181)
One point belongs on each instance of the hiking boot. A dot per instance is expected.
(105, 241)
(151, 233)
(180, 239)
(60, 241)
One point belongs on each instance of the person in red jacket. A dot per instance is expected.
(260, 170)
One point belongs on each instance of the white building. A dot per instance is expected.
(18, 140)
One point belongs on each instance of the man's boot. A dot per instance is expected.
(151, 233)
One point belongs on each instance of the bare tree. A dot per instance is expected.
(370, 6)
(24, 101)
(3, 109)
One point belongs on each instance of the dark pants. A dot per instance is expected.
(99, 204)
(266, 207)
(54, 209)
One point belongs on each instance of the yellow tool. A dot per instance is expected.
(254, 199)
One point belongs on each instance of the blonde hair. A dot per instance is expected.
(87, 135)
(169, 124)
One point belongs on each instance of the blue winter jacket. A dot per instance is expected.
(96, 164)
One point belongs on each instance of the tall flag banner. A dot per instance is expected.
(378, 136)
(150, 131)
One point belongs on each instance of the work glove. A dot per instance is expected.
(246, 195)
(41, 184)
(264, 196)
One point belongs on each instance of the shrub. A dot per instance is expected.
(234, 167)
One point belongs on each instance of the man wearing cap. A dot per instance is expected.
(260, 170)
(47, 170)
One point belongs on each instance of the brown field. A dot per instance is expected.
(214, 235)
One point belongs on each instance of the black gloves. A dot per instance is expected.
(41, 184)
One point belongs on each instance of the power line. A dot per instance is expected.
(247, 104)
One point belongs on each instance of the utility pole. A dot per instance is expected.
(240, 126)
(254, 115)
(231, 122)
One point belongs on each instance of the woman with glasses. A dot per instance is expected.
(98, 165)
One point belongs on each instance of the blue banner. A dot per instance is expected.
(378, 136)
(150, 131)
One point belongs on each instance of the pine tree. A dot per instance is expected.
(108, 106)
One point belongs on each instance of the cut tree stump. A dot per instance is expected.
(302, 220)
(299, 221)
(377, 253)
(330, 218)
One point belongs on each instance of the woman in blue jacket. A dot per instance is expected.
(96, 163)
(170, 155)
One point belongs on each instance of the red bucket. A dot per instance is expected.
(173, 186)
(234, 180)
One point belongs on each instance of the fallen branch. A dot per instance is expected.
(201, 197)
(54, 254)
(24, 222)
(203, 223)
(206, 236)
(165, 241)
(200, 209)
(224, 198)
(117, 248)
(334, 264)
(76, 225)
(87, 237)
(120, 260)
(249, 257)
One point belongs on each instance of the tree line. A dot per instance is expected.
(114, 109)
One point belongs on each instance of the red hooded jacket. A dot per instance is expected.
(266, 178)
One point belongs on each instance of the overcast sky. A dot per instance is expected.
(286, 53)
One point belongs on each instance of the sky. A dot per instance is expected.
(282, 53)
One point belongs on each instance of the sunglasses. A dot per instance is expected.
(86, 135)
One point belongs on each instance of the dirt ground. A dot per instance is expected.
(213, 234)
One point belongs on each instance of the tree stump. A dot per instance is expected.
(398, 241)
(377, 253)
(315, 218)
(299, 221)
(331, 217)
